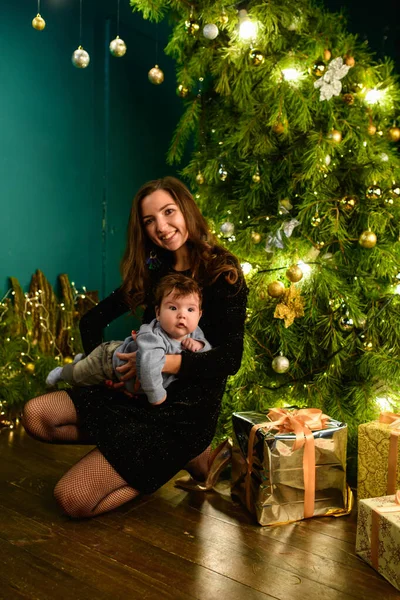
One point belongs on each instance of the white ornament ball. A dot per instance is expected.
(210, 31)
(227, 228)
(80, 58)
(280, 364)
(117, 47)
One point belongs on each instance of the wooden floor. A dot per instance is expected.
(174, 545)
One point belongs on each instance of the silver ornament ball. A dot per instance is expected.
(210, 31)
(80, 58)
(227, 228)
(117, 47)
(155, 75)
(280, 364)
(223, 173)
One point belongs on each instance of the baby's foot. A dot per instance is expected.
(54, 376)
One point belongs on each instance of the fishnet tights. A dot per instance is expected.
(90, 487)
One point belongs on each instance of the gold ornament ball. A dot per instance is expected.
(346, 324)
(275, 289)
(393, 194)
(348, 99)
(280, 364)
(39, 24)
(223, 19)
(327, 54)
(200, 178)
(294, 273)
(367, 239)
(191, 27)
(68, 360)
(318, 68)
(155, 75)
(256, 237)
(348, 203)
(373, 192)
(349, 60)
(367, 345)
(394, 134)
(278, 128)
(315, 220)
(336, 136)
(80, 58)
(182, 90)
(29, 367)
(223, 173)
(117, 47)
(256, 177)
(256, 57)
(371, 129)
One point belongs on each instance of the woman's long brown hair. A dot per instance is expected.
(208, 258)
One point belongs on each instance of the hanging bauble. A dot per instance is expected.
(361, 323)
(256, 177)
(39, 24)
(117, 47)
(335, 135)
(256, 57)
(222, 173)
(223, 18)
(371, 129)
(182, 90)
(394, 134)
(200, 178)
(278, 128)
(315, 220)
(348, 99)
(256, 237)
(67, 360)
(349, 60)
(373, 192)
(294, 273)
(318, 68)
(367, 345)
(155, 75)
(191, 27)
(280, 364)
(29, 367)
(327, 54)
(275, 289)
(393, 193)
(80, 58)
(346, 324)
(227, 229)
(348, 203)
(210, 31)
(367, 239)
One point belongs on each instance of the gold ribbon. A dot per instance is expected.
(302, 423)
(392, 419)
(376, 514)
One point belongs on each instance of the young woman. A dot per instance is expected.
(139, 447)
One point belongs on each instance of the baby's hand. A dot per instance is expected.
(192, 345)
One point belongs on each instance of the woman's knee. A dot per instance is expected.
(71, 502)
(32, 419)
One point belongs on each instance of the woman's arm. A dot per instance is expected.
(96, 319)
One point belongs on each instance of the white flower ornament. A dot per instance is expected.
(330, 83)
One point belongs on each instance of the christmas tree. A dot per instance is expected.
(295, 164)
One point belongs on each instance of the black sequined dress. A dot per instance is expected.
(148, 444)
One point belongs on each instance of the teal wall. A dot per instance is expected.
(76, 144)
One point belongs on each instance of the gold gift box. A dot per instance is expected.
(276, 483)
(374, 441)
(378, 536)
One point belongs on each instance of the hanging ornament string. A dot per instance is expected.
(80, 58)
(117, 46)
(155, 75)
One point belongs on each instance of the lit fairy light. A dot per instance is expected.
(247, 28)
(374, 96)
(292, 75)
(246, 268)
(384, 403)
(305, 268)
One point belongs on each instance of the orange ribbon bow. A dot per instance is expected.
(302, 423)
(392, 419)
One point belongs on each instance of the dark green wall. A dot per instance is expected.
(76, 144)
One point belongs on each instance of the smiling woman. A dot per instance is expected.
(140, 446)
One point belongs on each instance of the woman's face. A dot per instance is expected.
(163, 221)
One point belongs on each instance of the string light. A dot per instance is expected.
(247, 28)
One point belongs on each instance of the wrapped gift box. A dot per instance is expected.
(378, 535)
(379, 457)
(272, 479)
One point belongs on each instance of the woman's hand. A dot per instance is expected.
(128, 370)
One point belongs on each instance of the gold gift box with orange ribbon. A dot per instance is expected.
(378, 535)
(379, 457)
(290, 465)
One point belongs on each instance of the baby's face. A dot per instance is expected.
(179, 316)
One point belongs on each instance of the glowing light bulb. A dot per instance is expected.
(305, 268)
(384, 403)
(246, 268)
(247, 28)
(291, 74)
(374, 96)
